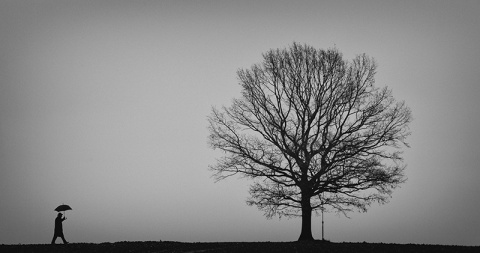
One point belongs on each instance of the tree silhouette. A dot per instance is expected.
(311, 123)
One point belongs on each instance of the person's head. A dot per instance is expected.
(59, 215)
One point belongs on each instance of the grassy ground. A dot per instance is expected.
(317, 246)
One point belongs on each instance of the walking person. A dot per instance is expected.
(59, 229)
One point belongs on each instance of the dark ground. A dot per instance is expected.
(317, 246)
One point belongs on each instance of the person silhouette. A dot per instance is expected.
(59, 229)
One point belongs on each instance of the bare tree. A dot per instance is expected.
(311, 124)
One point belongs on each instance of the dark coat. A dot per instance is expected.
(58, 225)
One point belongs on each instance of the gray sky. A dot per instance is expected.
(103, 106)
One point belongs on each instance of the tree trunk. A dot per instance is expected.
(306, 234)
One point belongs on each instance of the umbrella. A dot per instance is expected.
(63, 208)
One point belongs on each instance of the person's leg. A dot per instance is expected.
(63, 238)
(54, 238)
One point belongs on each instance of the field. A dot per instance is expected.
(160, 246)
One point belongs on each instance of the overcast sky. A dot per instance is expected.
(104, 105)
